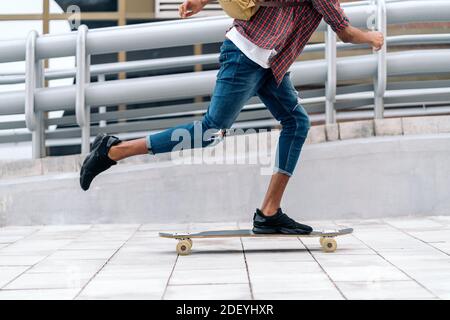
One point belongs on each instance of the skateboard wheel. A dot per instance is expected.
(329, 244)
(190, 241)
(321, 239)
(184, 247)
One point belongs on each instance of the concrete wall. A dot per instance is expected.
(360, 178)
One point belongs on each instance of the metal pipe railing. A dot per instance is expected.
(190, 61)
(201, 30)
(381, 76)
(188, 85)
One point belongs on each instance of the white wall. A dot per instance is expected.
(353, 179)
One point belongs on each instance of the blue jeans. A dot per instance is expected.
(238, 80)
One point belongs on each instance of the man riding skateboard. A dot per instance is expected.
(254, 58)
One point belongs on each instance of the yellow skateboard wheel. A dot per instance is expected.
(328, 244)
(184, 247)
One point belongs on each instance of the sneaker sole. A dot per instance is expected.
(280, 231)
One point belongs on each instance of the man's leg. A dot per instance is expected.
(128, 149)
(237, 81)
(274, 195)
(282, 102)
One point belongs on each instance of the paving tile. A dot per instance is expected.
(445, 220)
(440, 288)
(64, 229)
(332, 260)
(220, 246)
(115, 227)
(18, 231)
(276, 249)
(212, 261)
(286, 267)
(211, 276)
(303, 284)
(443, 246)
(384, 240)
(136, 273)
(19, 260)
(93, 245)
(365, 273)
(49, 294)
(414, 223)
(435, 236)
(272, 243)
(49, 281)
(317, 292)
(7, 274)
(385, 290)
(106, 236)
(51, 265)
(144, 235)
(143, 258)
(144, 270)
(83, 254)
(129, 289)
(9, 239)
(165, 227)
(209, 292)
(279, 256)
(293, 280)
(34, 247)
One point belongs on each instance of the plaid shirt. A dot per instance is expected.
(288, 29)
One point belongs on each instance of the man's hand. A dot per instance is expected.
(376, 39)
(356, 36)
(190, 7)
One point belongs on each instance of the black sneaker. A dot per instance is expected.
(97, 161)
(279, 223)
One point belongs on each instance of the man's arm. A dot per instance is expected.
(190, 7)
(356, 36)
(334, 16)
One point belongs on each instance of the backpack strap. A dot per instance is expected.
(281, 4)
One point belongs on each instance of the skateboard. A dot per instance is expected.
(184, 245)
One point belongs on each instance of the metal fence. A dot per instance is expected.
(328, 103)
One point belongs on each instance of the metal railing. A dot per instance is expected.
(328, 103)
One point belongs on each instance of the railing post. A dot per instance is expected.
(331, 85)
(380, 84)
(83, 78)
(34, 78)
(102, 110)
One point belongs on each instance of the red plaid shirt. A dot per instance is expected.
(288, 29)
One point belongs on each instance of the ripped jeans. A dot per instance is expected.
(238, 80)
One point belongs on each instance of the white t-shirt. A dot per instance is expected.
(252, 51)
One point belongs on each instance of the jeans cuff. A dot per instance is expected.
(278, 170)
(149, 145)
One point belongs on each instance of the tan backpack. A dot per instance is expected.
(245, 9)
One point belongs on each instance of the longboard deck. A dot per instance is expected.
(185, 243)
(249, 233)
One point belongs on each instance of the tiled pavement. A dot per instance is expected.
(402, 258)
